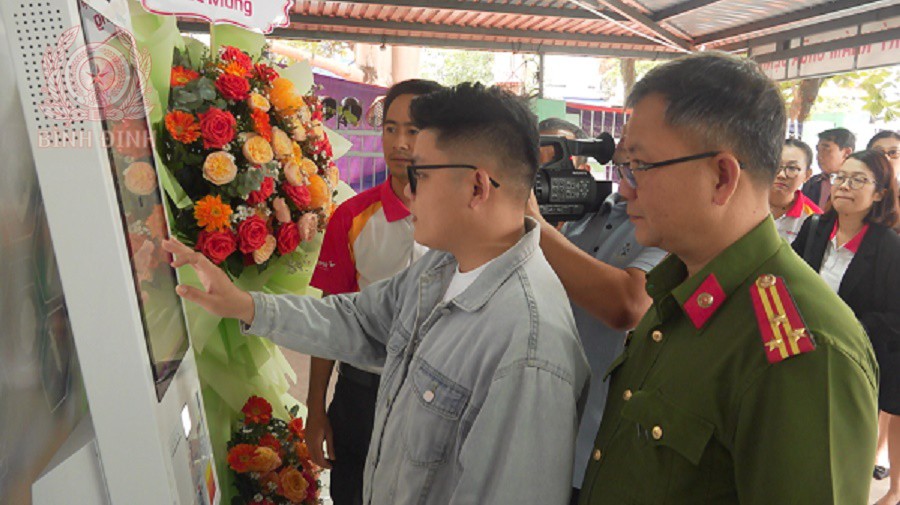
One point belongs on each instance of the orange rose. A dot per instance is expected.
(292, 485)
(219, 168)
(258, 102)
(257, 150)
(294, 174)
(319, 192)
(263, 254)
(264, 460)
(309, 167)
(282, 212)
(285, 97)
(140, 178)
(281, 143)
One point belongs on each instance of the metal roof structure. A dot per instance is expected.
(646, 29)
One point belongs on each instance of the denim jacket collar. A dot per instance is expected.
(496, 273)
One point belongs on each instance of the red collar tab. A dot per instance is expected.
(704, 302)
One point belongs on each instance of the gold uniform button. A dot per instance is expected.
(657, 336)
(626, 395)
(656, 432)
(705, 300)
(597, 455)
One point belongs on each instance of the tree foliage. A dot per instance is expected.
(452, 66)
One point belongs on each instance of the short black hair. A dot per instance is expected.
(722, 101)
(843, 137)
(498, 122)
(409, 87)
(883, 134)
(555, 123)
(886, 211)
(803, 146)
(552, 124)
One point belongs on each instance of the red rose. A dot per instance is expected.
(216, 128)
(233, 87)
(217, 245)
(298, 194)
(265, 191)
(252, 234)
(231, 53)
(324, 146)
(312, 490)
(287, 237)
(265, 72)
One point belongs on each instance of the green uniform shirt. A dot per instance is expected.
(699, 415)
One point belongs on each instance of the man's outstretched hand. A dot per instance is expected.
(220, 296)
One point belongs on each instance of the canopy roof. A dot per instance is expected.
(648, 29)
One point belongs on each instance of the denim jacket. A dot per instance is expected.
(480, 397)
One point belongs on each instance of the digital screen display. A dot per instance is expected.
(107, 67)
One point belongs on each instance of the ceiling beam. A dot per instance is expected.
(833, 45)
(493, 7)
(832, 7)
(375, 24)
(834, 24)
(641, 19)
(520, 47)
(679, 9)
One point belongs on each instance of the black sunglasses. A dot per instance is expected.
(412, 175)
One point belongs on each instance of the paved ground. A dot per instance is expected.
(300, 362)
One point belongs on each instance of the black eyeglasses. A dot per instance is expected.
(790, 171)
(627, 171)
(412, 173)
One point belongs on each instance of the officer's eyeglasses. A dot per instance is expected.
(854, 182)
(893, 154)
(790, 171)
(413, 175)
(626, 172)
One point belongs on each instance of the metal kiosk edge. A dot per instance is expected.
(133, 448)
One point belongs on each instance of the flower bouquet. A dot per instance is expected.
(251, 154)
(270, 459)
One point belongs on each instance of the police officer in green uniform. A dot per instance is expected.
(748, 381)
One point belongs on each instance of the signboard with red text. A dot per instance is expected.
(262, 15)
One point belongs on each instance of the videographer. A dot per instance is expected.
(602, 268)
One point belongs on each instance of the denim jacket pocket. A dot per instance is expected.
(434, 414)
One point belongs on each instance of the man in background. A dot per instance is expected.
(833, 149)
(369, 238)
(603, 269)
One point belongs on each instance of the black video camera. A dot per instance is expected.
(563, 192)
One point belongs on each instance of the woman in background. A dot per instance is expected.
(854, 249)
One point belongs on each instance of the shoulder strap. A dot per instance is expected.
(810, 237)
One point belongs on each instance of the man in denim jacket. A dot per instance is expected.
(484, 375)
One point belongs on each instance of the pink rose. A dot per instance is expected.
(282, 212)
(308, 224)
